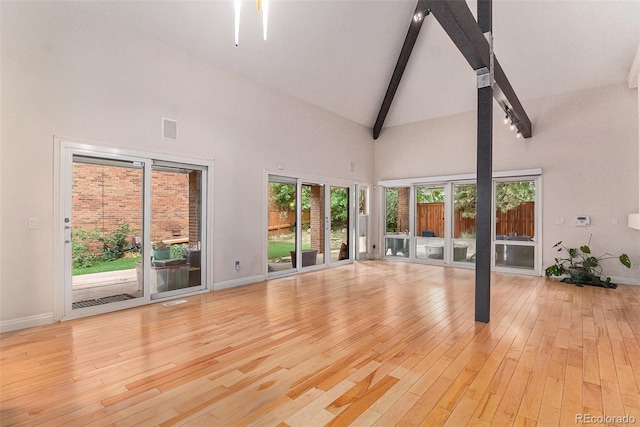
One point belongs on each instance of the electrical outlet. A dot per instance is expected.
(237, 265)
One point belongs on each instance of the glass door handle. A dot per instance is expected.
(67, 234)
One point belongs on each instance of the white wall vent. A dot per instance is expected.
(169, 129)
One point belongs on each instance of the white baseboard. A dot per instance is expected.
(26, 322)
(47, 318)
(625, 280)
(237, 282)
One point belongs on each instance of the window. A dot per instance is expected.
(433, 220)
(430, 222)
(464, 223)
(397, 222)
(515, 224)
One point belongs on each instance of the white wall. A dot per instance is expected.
(585, 142)
(67, 74)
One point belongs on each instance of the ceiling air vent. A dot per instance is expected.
(169, 129)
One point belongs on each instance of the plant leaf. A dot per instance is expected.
(585, 249)
(590, 262)
(624, 259)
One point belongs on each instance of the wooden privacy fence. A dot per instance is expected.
(288, 219)
(521, 220)
(430, 217)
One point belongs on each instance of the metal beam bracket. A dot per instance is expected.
(489, 36)
(484, 77)
(463, 29)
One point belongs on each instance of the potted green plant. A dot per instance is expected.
(582, 266)
(160, 250)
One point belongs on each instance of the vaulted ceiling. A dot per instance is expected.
(340, 55)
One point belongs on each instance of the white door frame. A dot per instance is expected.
(537, 238)
(64, 150)
(351, 224)
(450, 180)
(299, 179)
(362, 252)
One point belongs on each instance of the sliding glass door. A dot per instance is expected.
(340, 223)
(132, 229)
(314, 225)
(103, 231)
(176, 229)
(309, 224)
(282, 241)
(363, 222)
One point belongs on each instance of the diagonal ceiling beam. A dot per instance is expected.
(410, 40)
(458, 22)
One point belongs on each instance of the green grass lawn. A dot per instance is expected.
(100, 266)
(280, 249)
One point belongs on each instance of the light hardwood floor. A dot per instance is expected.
(373, 343)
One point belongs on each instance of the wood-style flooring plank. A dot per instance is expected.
(372, 343)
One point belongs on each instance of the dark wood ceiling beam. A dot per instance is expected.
(409, 41)
(458, 22)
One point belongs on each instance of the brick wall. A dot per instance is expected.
(316, 218)
(105, 196)
(195, 230)
(169, 205)
(403, 209)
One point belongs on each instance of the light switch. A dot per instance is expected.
(33, 223)
(614, 220)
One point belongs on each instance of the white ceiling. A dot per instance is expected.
(340, 55)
